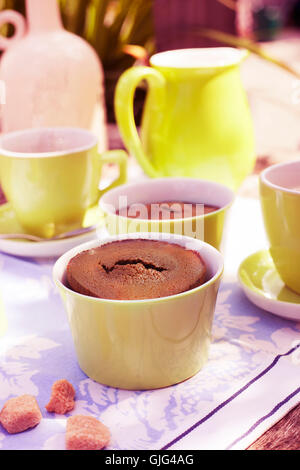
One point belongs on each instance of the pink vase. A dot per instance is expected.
(50, 76)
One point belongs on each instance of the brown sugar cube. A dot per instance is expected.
(19, 414)
(86, 433)
(62, 397)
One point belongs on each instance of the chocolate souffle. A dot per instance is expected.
(135, 269)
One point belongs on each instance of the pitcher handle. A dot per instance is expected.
(124, 98)
(19, 23)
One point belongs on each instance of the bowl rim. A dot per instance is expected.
(264, 176)
(49, 154)
(62, 261)
(214, 184)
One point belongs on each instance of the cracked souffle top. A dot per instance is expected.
(135, 270)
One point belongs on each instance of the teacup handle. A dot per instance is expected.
(19, 23)
(124, 98)
(120, 158)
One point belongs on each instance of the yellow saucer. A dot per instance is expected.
(263, 286)
(47, 248)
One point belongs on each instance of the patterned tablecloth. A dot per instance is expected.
(250, 381)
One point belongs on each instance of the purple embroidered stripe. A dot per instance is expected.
(230, 399)
(261, 420)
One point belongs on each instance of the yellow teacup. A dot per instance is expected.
(280, 202)
(208, 227)
(143, 344)
(51, 176)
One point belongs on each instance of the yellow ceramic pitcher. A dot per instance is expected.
(196, 121)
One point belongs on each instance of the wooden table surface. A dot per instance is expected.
(275, 103)
(278, 139)
(284, 435)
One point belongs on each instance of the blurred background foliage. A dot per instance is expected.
(112, 27)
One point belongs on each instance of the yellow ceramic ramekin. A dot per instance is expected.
(206, 227)
(143, 344)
